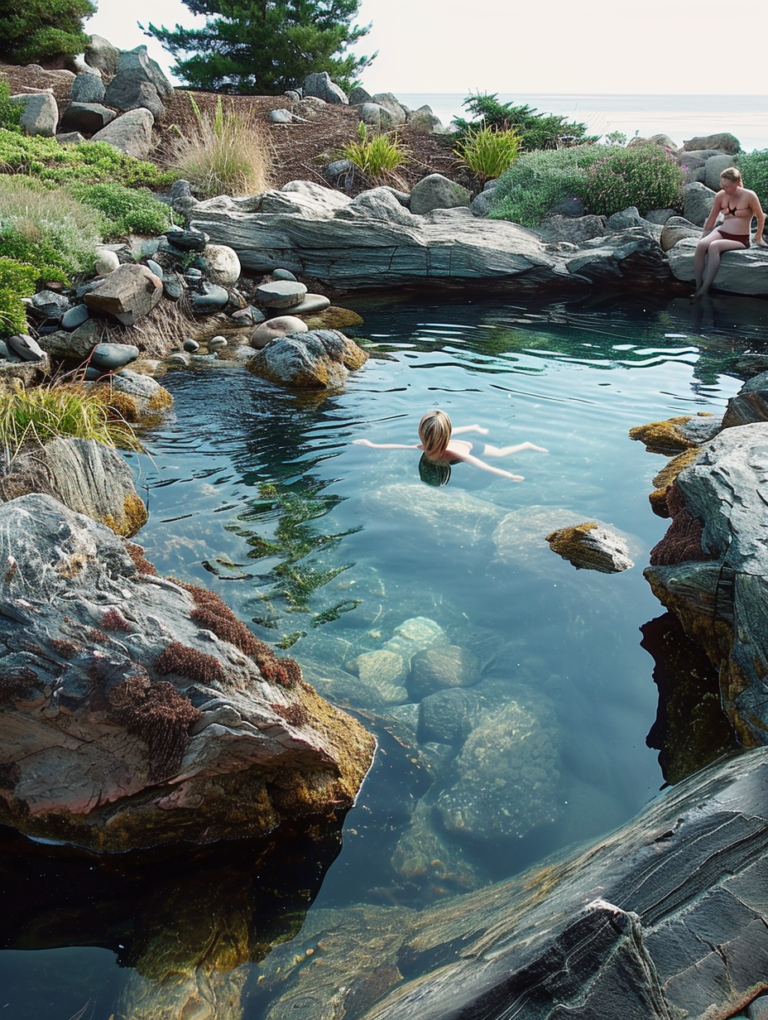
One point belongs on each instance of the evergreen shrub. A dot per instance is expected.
(10, 113)
(539, 180)
(645, 176)
(536, 130)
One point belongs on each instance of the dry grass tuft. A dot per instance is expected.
(226, 153)
(161, 331)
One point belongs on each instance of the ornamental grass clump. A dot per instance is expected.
(377, 156)
(488, 153)
(226, 154)
(44, 413)
(645, 176)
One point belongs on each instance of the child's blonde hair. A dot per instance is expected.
(435, 432)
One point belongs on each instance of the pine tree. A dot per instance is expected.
(43, 31)
(263, 47)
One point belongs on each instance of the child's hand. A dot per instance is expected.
(538, 449)
(517, 478)
(362, 442)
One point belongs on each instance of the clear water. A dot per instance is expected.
(391, 548)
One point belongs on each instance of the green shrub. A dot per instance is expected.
(46, 412)
(91, 162)
(754, 172)
(17, 281)
(539, 180)
(488, 153)
(645, 176)
(228, 155)
(125, 210)
(376, 155)
(10, 113)
(47, 228)
(536, 130)
(38, 31)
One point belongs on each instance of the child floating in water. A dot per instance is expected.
(439, 446)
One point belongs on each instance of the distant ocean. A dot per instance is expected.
(680, 117)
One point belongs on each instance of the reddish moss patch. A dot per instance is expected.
(15, 684)
(157, 713)
(188, 662)
(213, 614)
(141, 563)
(295, 715)
(683, 538)
(113, 619)
(66, 649)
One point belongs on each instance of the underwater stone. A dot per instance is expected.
(441, 666)
(386, 671)
(505, 778)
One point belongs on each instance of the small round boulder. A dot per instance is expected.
(283, 325)
(280, 293)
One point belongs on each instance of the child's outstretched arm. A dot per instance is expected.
(386, 446)
(469, 459)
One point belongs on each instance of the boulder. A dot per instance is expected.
(75, 345)
(87, 118)
(88, 88)
(377, 117)
(724, 142)
(283, 325)
(740, 272)
(664, 918)
(280, 293)
(137, 396)
(102, 55)
(437, 192)
(424, 122)
(697, 202)
(127, 294)
(107, 261)
(131, 133)
(39, 113)
(87, 477)
(440, 667)
(573, 229)
(223, 265)
(675, 229)
(713, 167)
(317, 359)
(136, 66)
(319, 85)
(136, 711)
(711, 568)
(590, 546)
(129, 93)
(504, 780)
(625, 219)
(373, 241)
(397, 112)
(750, 404)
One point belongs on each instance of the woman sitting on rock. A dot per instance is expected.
(738, 207)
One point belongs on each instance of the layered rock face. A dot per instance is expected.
(711, 568)
(136, 710)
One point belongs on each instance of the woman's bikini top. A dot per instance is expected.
(736, 212)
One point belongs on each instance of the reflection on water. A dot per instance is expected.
(509, 692)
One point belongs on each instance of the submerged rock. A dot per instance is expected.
(505, 778)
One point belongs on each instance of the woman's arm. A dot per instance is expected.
(757, 212)
(387, 446)
(469, 459)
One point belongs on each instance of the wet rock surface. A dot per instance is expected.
(136, 710)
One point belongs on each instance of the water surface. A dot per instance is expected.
(329, 549)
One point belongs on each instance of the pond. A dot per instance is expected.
(513, 705)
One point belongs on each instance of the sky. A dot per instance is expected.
(596, 46)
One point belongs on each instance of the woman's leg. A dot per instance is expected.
(700, 258)
(714, 251)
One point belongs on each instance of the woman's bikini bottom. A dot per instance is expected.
(741, 238)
